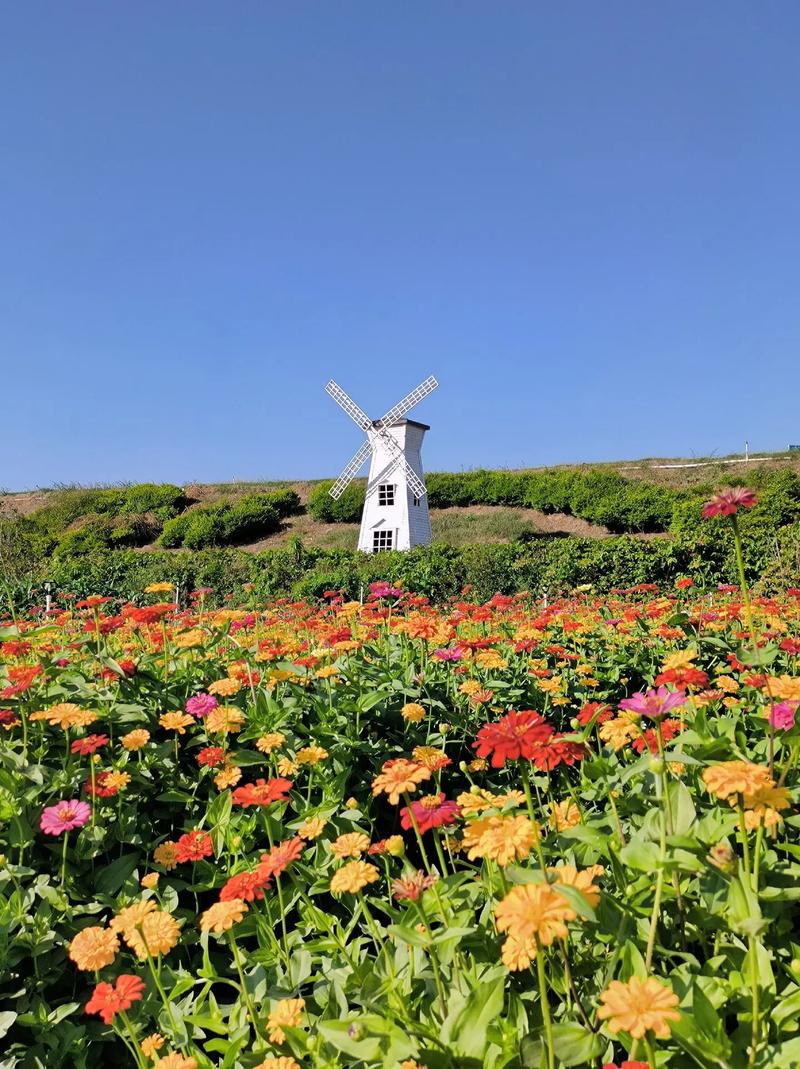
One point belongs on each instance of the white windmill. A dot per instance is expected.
(396, 507)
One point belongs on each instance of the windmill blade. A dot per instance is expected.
(359, 417)
(417, 394)
(350, 471)
(414, 481)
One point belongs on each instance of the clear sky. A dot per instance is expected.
(583, 218)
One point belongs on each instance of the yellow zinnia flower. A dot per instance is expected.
(412, 712)
(175, 1061)
(286, 1013)
(135, 740)
(152, 1043)
(533, 915)
(730, 778)
(225, 718)
(581, 879)
(564, 815)
(225, 687)
(311, 828)
(270, 742)
(280, 1062)
(166, 854)
(223, 915)
(639, 1006)
(353, 876)
(94, 948)
(311, 755)
(352, 844)
(399, 776)
(176, 722)
(502, 839)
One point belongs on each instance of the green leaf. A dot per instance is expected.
(575, 1044)
(114, 875)
(467, 1027)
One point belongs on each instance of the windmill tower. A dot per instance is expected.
(396, 507)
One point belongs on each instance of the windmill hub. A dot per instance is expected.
(396, 506)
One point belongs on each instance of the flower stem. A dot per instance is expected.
(548, 1024)
(245, 993)
(662, 856)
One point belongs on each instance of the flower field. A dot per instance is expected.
(395, 834)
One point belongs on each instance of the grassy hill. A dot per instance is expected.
(470, 508)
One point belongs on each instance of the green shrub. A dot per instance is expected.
(206, 528)
(162, 498)
(285, 502)
(175, 530)
(250, 518)
(91, 537)
(345, 509)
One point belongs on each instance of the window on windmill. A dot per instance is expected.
(416, 500)
(381, 540)
(386, 493)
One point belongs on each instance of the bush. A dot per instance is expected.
(251, 518)
(174, 530)
(285, 502)
(162, 498)
(345, 509)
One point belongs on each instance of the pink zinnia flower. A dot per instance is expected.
(729, 502)
(65, 816)
(454, 653)
(782, 715)
(431, 812)
(655, 703)
(200, 705)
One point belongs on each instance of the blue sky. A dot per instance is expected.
(582, 218)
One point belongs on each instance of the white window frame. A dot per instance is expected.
(382, 539)
(387, 493)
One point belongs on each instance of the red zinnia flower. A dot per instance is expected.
(246, 885)
(194, 846)
(554, 752)
(514, 735)
(603, 711)
(211, 756)
(431, 812)
(20, 679)
(683, 677)
(280, 857)
(99, 790)
(669, 728)
(262, 792)
(728, 502)
(107, 1000)
(91, 744)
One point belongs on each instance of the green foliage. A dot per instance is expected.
(596, 495)
(225, 524)
(345, 509)
(161, 498)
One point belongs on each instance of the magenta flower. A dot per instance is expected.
(655, 703)
(63, 817)
(729, 502)
(382, 589)
(200, 705)
(454, 653)
(781, 715)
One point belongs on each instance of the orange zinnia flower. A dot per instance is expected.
(399, 776)
(107, 1000)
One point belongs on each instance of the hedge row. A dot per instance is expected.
(597, 495)
(772, 560)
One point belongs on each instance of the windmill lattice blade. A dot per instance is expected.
(408, 402)
(414, 481)
(348, 404)
(350, 471)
